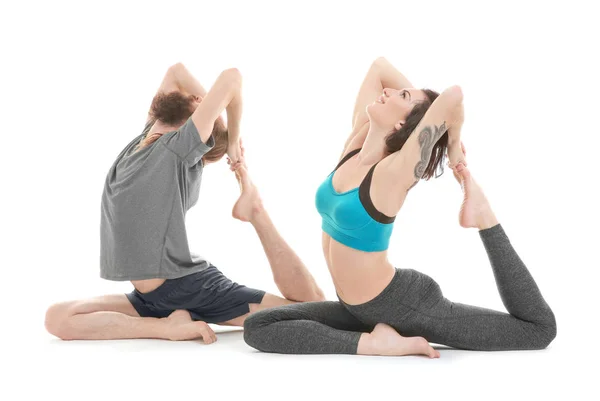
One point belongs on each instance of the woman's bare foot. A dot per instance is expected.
(249, 202)
(475, 210)
(180, 326)
(385, 340)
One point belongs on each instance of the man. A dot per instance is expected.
(147, 192)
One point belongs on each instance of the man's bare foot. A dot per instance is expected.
(475, 210)
(180, 326)
(385, 340)
(249, 202)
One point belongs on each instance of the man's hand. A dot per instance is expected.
(234, 151)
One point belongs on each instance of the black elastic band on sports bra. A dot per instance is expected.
(348, 156)
(364, 195)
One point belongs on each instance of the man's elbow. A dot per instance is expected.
(232, 74)
(232, 78)
(380, 60)
(175, 68)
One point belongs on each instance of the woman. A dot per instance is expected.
(384, 310)
(148, 190)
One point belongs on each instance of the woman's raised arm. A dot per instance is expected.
(406, 167)
(382, 74)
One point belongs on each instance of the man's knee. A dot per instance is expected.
(58, 317)
(56, 320)
(319, 296)
(290, 289)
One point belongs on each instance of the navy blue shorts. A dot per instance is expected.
(208, 295)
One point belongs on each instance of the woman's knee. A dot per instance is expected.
(538, 335)
(261, 318)
(252, 327)
(547, 331)
(257, 331)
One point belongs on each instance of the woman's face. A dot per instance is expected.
(393, 106)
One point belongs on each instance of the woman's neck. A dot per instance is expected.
(374, 148)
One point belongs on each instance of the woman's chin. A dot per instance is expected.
(373, 111)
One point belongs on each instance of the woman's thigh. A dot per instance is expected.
(415, 306)
(329, 313)
(318, 327)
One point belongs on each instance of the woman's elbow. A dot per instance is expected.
(454, 94)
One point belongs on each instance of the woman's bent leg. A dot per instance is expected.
(530, 323)
(305, 328)
(518, 290)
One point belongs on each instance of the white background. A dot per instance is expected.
(77, 80)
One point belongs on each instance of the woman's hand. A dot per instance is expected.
(457, 156)
(456, 149)
(456, 123)
(235, 155)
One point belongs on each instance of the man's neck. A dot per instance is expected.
(161, 128)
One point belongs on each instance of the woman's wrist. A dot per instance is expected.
(454, 135)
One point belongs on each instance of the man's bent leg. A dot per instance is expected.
(289, 272)
(112, 317)
(268, 301)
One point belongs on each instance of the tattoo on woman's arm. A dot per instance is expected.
(427, 139)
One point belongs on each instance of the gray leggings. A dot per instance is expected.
(414, 305)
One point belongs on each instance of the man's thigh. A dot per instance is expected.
(104, 303)
(60, 312)
(268, 301)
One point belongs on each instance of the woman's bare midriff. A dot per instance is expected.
(145, 286)
(358, 276)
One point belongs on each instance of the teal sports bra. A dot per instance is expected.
(350, 217)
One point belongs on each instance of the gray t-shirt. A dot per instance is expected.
(146, 196)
